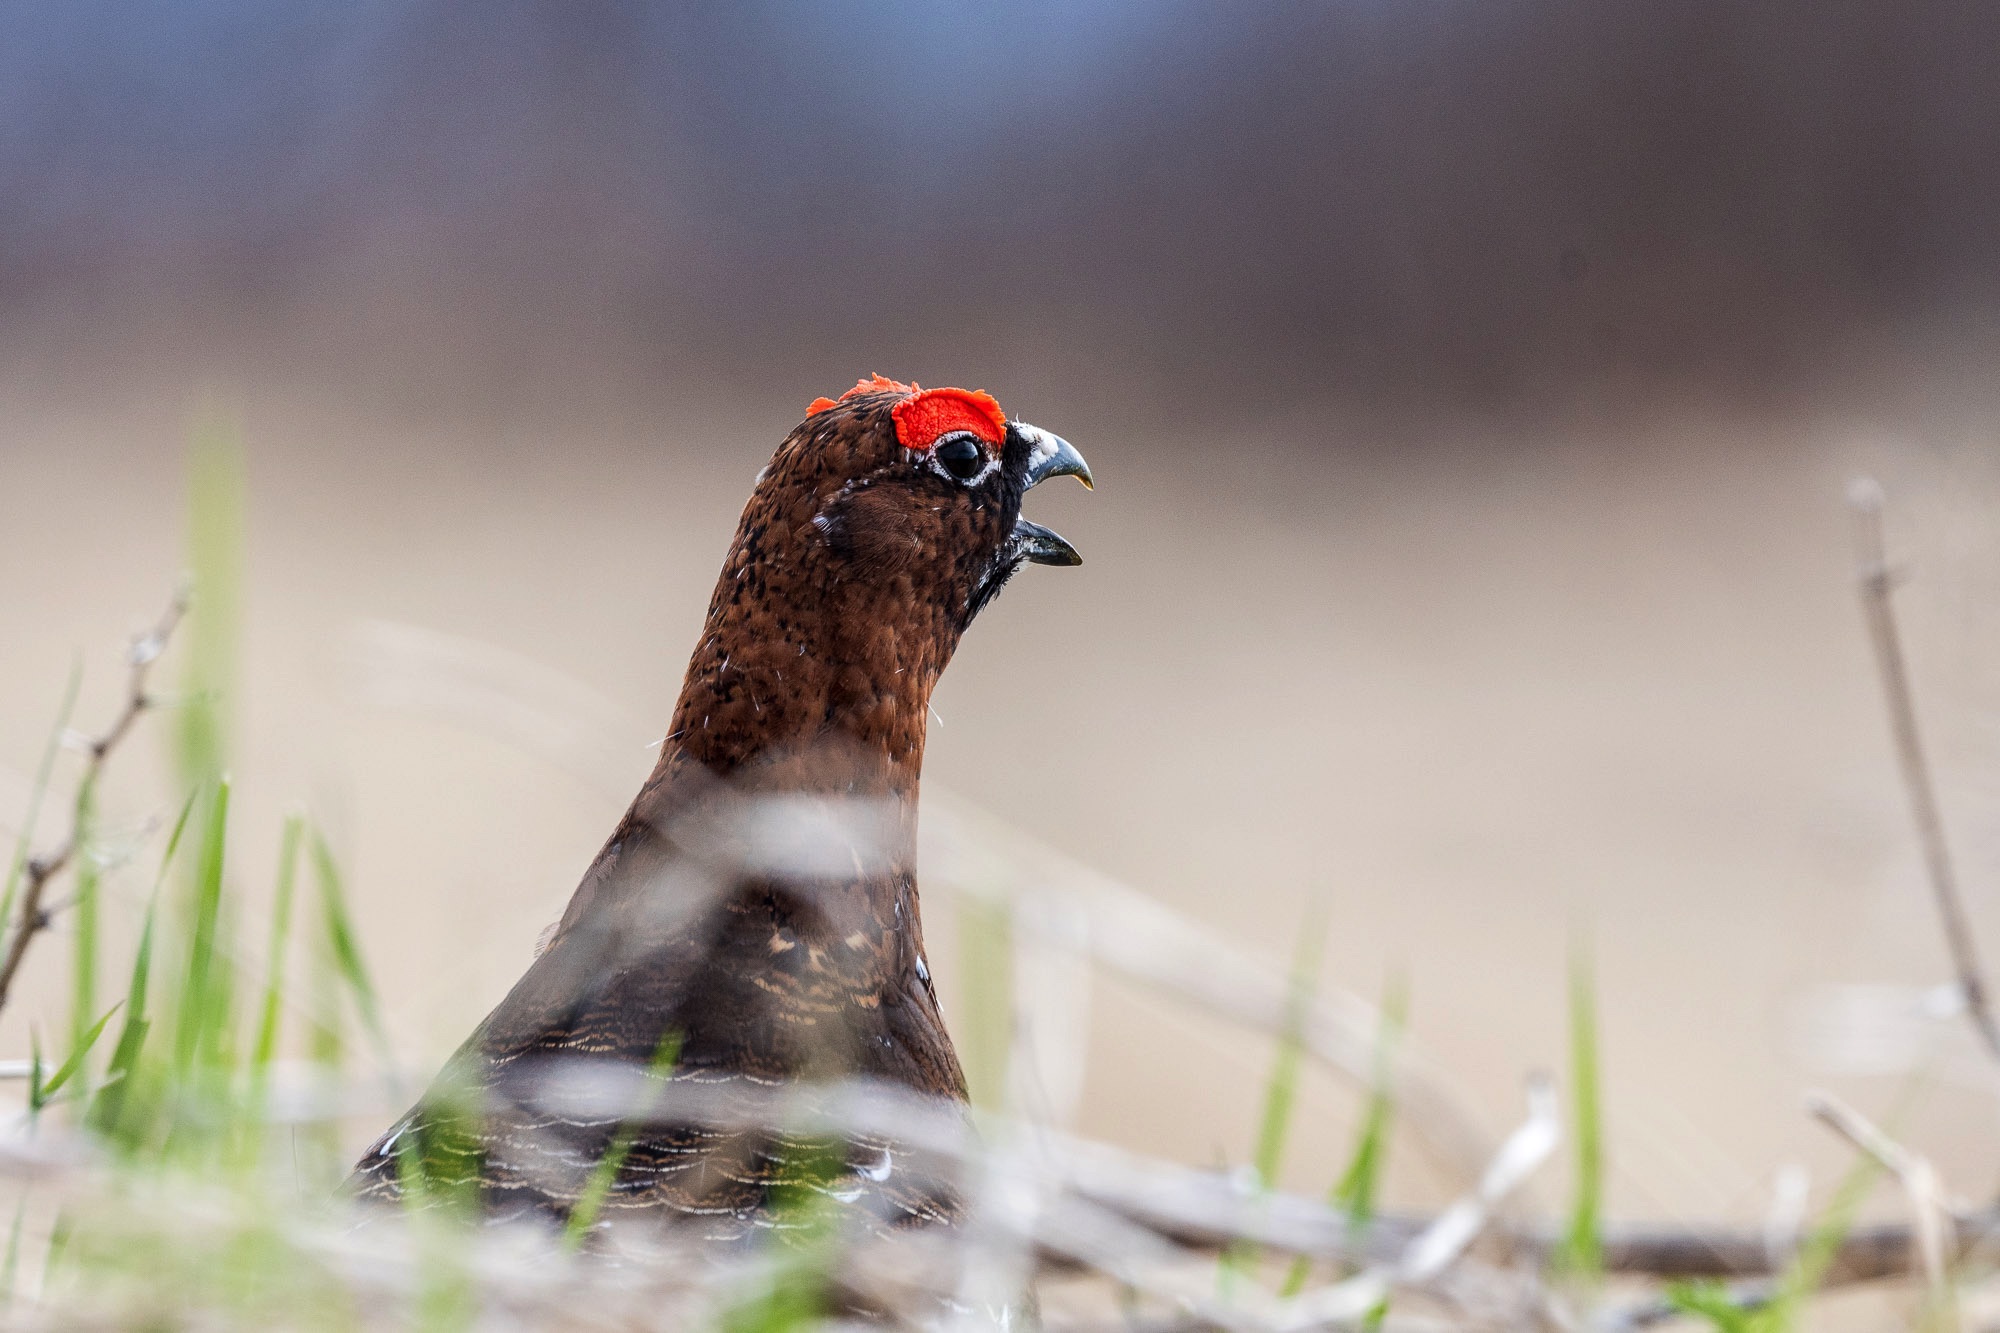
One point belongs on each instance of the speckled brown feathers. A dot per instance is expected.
(757, 905)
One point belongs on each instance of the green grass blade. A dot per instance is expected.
(986, 964)
(602, 1176)
(1356, 1190)
(327, 1039)
(411, 1185)
(216, 504)
(1281, 1088)
(281, 926)
(1802, 1277)
(107, 1111)
(219, 1025)
(440, 1157)
(75, 1061)
(10, 1271)
(796, 1292)
(345, 950)
(1582, 1251)
(35, 1098)
(84, 944)
(194, 1024)
(1810, 1265)
(58, 1246)
(1712, 1301)
(44, 772)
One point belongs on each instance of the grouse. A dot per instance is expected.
(753, 921)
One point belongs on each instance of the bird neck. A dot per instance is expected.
(837, 706)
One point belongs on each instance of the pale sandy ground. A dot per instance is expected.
(1484, 694)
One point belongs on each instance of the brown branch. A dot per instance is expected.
(32, 918)
(1864, 497)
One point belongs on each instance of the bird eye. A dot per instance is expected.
(961, 456)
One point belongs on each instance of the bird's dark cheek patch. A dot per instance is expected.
(874, 528)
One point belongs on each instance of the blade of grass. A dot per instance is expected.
(58, 1245)
(328, 1043)
(84, 945)
(345, 950)
(1809, 1267)
(75, 1061)
(794, 1293)
(215, 482)
(1712, 1300)
(1779, 1311)
(986, 962)
(318, 1148)
(107, 1113)
(44, 771)
(439, 1152)
(1282, 1086)
(1582, 1252)
(412, 1184)
(803, 1242)
(281, 925)
(10, 1272)
(219, 1025)
(202, 1015)
(34, 1075)
(193, 1025)
(598, 1187)
(1355, 1191)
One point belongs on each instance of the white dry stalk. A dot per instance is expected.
(1135, 935)
(1051, 997)
(1791, 1189)
(1932, 1217)
(1047, 1055)
(494, 692)
(1140, 1260)
(1441, 1243)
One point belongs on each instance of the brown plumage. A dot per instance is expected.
(756, 908)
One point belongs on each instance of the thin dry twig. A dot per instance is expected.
(1134, 935)
(1439, 1245)
(1931, 1214)
(1864, 498)
(32, 917)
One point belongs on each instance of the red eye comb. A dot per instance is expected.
(927, 414)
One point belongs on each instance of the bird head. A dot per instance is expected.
(920, 490)
(882, 525)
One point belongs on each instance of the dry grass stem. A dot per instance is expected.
(1878, 581)
(1136, 936)
(1932, 1217)
(32, 916)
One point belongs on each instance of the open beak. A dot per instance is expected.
(1049, 455)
